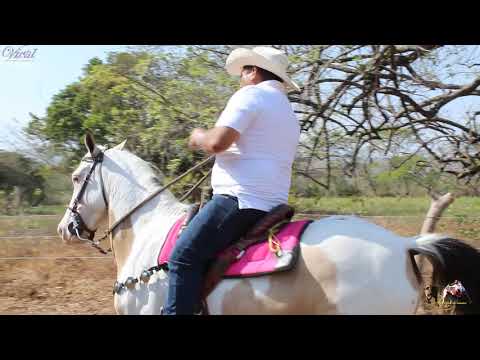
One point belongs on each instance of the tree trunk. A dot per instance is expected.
(438, 206)
(17, 198)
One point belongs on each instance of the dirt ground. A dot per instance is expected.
(63, 286)
(40, 285)
(80, 286)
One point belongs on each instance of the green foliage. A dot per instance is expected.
(20, 180)
(152, 100)
(58, 209)
(403, 176)
(345, 187)
(18, 170)
(401, 170)
(462, 209)
(155, 96)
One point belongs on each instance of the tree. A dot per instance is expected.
(21, 177)
(358, 104)
(370, 94)
(366, 95)
(153, 99)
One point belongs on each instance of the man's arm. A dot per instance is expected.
(240, 111)
(213, 141)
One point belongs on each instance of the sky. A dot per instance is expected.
(27, 85)
(28, 82)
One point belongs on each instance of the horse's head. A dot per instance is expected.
(88, 206)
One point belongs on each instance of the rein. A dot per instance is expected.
(77, 222)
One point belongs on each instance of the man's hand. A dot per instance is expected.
(196, 139)
(213, 141)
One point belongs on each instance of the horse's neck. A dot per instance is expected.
(127, 187)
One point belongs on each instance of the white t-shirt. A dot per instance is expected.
(257, 167)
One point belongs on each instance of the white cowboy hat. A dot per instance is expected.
(267, 58)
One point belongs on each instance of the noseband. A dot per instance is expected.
(76, 224)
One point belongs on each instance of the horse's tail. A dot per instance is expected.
(452, 260)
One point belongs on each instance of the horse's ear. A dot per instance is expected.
(89, 142)
(121, 146)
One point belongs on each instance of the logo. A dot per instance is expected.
(452, 294)
(18, 53)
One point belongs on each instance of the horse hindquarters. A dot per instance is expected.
(369, 273)
(307, 289)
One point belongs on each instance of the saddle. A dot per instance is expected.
(271, 245)
(280, 214)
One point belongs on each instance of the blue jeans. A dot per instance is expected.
(217, 225)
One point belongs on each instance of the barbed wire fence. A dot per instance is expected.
(18, 236)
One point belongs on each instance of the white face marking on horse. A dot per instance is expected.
(91, 206)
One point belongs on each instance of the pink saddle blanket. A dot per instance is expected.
(257, 259)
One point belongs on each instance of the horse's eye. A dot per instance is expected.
(75, 179)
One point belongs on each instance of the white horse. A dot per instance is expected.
(346, 265)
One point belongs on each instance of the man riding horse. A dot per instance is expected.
(254, 142)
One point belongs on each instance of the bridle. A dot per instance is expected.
(76, 225)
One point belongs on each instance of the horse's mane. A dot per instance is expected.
(154, 174)
(159, 176)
